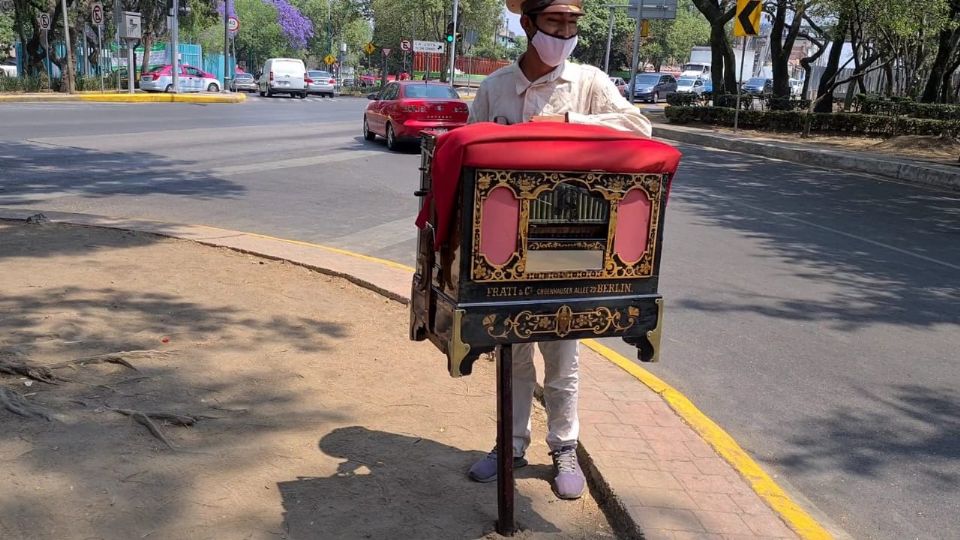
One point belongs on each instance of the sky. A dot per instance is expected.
(513, 22)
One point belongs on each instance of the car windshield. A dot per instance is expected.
(430, 91)
(756, 82)
(319, 74)
(647, 79)
(687, 81)
(244, 76)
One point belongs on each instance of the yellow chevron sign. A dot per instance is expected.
(747, 20)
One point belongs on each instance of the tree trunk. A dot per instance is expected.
(781, 48)
(946, 45)
(888, 74)
(825, 104)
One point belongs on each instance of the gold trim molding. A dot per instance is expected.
(565, 321)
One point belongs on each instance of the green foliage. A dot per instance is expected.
(879, 105)
(24, 84)
(836, 123)
(672, 40)
(7, 34)
(682, 100)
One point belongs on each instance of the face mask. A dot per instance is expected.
(553, 50)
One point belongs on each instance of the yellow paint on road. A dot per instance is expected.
(385, 262)
(797, 518)
(123, 98)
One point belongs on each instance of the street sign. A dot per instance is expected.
(405, 45)
(44, 21)
(329, 59)
(747, 20)
(645, 28)
(652, 9)
(386, 51)
(233, 25)
(96, 13)
(428, 47)
(369, 48)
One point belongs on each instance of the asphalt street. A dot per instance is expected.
(814, 314)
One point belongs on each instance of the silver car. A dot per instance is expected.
(321, 82)
(243, 82)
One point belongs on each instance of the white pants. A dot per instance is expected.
(561, 381)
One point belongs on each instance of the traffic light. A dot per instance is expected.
(449, 36)
(183, 11)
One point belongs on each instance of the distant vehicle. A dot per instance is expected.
(321, 82)
(695, 69)
(653, 86)
(707, 88)
(243, 82)
(758, 86)
(283, 76)
(8, 67)
(690, 85)
(620, 84)
(796, 88)
(373, 80)
(160, 79)
(404, 109)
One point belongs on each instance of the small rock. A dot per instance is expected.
(37, 219)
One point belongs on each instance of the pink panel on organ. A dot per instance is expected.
(498, 226)
(633, 226)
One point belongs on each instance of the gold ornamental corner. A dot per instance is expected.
(654, 336)
(562, 323)
(457, 350)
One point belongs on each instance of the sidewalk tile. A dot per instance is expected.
(656, 479)
(767, 525)
(682, 535)
(672, 434)
(722, 522)
(635, 461)
(712, 465)
(632, 396)
(670, 450)
(617, 444)
(617, 430)
(598, 417)
(717, 502)
(667, 518)
(700, 449)
(709, 483)
(750, 503)
(658, 498)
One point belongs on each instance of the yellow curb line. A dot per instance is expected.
(162, 98)
(798, 519)
(385, 262)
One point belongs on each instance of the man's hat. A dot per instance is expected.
(531, 7)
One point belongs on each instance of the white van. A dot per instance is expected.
(283, 76)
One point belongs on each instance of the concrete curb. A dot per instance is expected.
(903, 171)
(611, 481)
(125, 98)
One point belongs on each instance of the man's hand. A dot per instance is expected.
(549, 118)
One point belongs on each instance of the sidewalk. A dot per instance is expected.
(658, 467)
(896, 168)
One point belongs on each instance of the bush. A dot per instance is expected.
(787, 104)
(682, 100)
(730, 101)
(792, 121)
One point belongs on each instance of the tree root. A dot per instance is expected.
(17, 404)
(37, 373)
(146, 418)
(120, 358)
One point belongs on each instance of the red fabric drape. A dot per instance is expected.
(546, 146)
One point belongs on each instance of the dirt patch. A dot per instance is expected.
(315, 417)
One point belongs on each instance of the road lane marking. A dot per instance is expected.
(295, 163)
(761, 483)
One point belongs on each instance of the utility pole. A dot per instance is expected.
(453, 44)
(606, 57)
(226, 42)
(66, 36)
(636, 53)
(175, 46)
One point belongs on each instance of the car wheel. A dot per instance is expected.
(213, 88)
(367, 134)
(392, 143)
(269, 93)
(656, 97)
(168, 89)
(262, 93)
(303, 95)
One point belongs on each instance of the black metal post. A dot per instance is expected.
(505, 484)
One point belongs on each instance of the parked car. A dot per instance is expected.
(796, 87)
(707, 88)
(620, 84)
(243, 82)
(321, 82)
(8, 67)
(374, 80)
(404, 109)
(653, 86)
(283, 76)
(758, 86)
(690, 85)
(160, 79)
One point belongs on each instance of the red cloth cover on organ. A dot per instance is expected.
(535, 146)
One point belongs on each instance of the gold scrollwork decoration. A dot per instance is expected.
(528, 185)
(565, 321)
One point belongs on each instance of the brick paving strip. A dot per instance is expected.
(663, 470)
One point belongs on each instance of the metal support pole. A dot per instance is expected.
(66, 40)
(116, 39)
(736, 114)
(46, 48)
(131, 70)
(226, 42)
(453, 44)
(175, 46)
(636, 54)
(505, 485)
(606, 57)
(100, 51)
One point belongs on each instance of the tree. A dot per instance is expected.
(723, 61)
(672, 40)
(781, 46)
(7, 35)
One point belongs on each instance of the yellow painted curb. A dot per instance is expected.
(798, 519)
(384, 262)
(164, 98)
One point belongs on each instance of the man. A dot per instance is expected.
(544, 86)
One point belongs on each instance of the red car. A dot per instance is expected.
(404, 109)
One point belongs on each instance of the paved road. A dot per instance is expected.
(814, 315)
